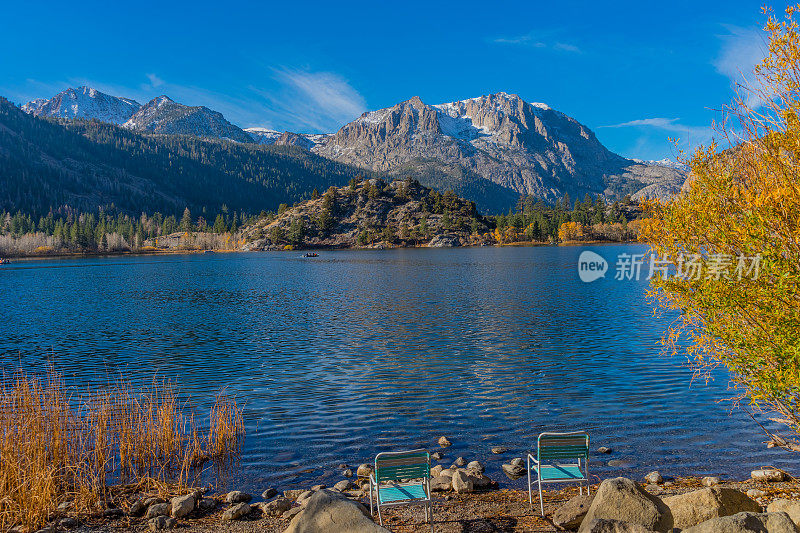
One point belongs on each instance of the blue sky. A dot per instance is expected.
(636, 74)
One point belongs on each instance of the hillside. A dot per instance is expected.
(87, 165)
(372, 214)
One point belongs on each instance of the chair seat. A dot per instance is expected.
(557, 472)
(400, 493)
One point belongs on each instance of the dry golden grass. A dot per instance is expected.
(59, 445)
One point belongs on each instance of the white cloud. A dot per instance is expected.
(664, 123)
(316, 101)
(535, 39)
(155, 81)
(741, 49)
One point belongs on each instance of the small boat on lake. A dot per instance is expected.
(310, 254)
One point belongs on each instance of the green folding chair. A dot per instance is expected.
(560, 458)
(402, 478)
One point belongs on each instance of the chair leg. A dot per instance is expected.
(431, 511)
(380, 518)
(541, 500)
(530, 496)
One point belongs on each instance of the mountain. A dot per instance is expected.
(372, 213)
(86, 103)
(268, 136)
(86, 165)
(491, 149)
(165, 116)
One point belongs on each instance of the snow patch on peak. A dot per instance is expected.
(666, 162)
(374, 117)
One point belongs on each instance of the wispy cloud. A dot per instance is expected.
(652, 134)
(538, 39)
(155, 81)
(741, 49)
(663, 123)
(317, 101)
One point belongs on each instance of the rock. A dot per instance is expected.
(461, 461)
(437, 456)
(436, 471)
(276, 507)
(68, 523)
(315, 488)
(653, 489)
(236, 496)
(768, 474)
(710, 481)
(444, 442)
(441, 483)
(497, 450)
(462, 482)
(364, 470)
(513, 471)
(331, 511)
(343, 485)
(182, 505)
(291, 513)
(448, 472)
(113, 513)
(347, 473)
(269, 493)
(790, 507)
(614, 526)
(694, 507)
(155, 499)
(137, 508)
(237, 511)
(479, 481)
(476, 466)
(623, 499)
(570, 515)
(620, 463)
(157, 509)
(303, 497)
(48, 529)
(603, 449)
(746, 523)
(756, 493)
(654, 477)
(206, 504)
(445, 240)
(517, 461)
(161, 522)
(343, 465)
(293, 493)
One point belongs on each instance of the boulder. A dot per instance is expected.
(448, 472)
(570, 515)
(182, 505)
(614, 526)
(206, 504)
(276, 507)
(767, 474)
(343, 485)
(436, 471)
(157, 509)
(499, 449)
(604, 449)
(746, 523)
(137, 508)
(437, 456)
(269, 493)
(654, 477)
(161, 522)
(237, 511)
(476, 466)
(480, 481)
(292, 494)
(315, 488)
(236, 496)
(461, 461)
(364, 470)
(331, 511)
(68, 523)
(291, 513)
(444, 442)
(756, 493)
(790, 507)
(710, 481)
(517, 461)
(441, 483)
(304, 496)
(625, 500)
(445, 240)
(514, 471)
(347, 473)
(462, 482)
(694, 507)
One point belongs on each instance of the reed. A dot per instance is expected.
(58, 445)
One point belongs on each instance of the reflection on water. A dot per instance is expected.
(339, 357)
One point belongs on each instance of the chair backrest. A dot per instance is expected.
(562, 446)
(392, 466)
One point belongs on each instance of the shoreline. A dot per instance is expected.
(166, 251)
(484, 510)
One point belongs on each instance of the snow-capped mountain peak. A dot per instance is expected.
(86, 103)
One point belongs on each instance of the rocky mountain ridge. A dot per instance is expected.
(86, 103)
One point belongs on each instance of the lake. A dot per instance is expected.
(339, 357)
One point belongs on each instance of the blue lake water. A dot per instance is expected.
(339, 357)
